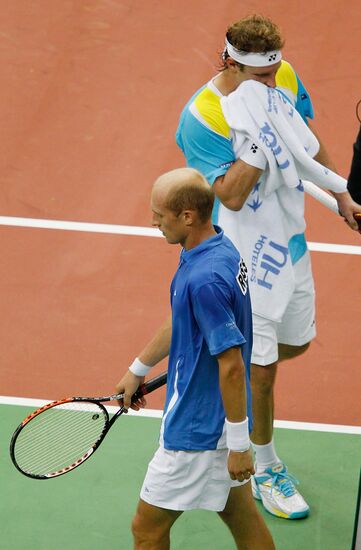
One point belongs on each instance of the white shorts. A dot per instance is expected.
(187, 480)
(298, 326)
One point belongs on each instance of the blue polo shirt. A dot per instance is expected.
(211, 312)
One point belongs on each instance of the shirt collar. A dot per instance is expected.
(188, 255)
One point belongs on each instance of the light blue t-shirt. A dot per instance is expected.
(205, 137)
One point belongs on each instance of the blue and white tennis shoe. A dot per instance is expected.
(275, 487)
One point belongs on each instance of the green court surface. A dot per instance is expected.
(92, 506)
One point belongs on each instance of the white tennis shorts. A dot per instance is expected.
(298, 326)
(187, 480)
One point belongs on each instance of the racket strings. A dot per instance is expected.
(45, 423)
(47, 463)
(58, 437)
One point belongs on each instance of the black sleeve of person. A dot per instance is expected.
(354, 179)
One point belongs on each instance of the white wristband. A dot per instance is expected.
(237, 435)
(138, 368)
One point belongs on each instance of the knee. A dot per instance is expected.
(140, 534)
(144, 536)
(289, 352)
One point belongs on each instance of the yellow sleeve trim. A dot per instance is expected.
(209, 108)
(286, 77)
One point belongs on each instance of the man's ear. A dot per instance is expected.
(189, 216)
(231, 63)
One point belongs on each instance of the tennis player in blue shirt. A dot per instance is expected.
(204, 459)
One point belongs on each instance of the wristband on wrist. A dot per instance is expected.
(138, 368)
(237, 436)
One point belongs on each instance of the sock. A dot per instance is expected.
(266, 456)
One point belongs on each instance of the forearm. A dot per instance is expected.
(233, 188)
(322, 156)
(233, 384)
(156, 350)
(233, 389)
(159, 346)
(343, 197)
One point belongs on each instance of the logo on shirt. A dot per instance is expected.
(242, 277)
(226, 164)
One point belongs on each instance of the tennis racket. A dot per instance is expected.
(62, 435)
(326, 199)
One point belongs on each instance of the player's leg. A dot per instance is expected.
(244, 521)
(285, 351)
(151, 527)
(263, 378)
(272, 484)
(262, 383)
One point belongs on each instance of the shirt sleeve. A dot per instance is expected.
(204, 149)
(253, 155)
(215, 318)
(303, 103)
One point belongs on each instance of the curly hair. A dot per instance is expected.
(254, 33)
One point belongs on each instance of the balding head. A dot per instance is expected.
(185, 189)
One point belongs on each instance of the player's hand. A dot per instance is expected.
(349, 210)
(240, 465)
(128, 385)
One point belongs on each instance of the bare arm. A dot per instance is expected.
(156, 350)
(233, 188)
(322, 156)
(346, 205)
(233, 385)
(233, 390)
(158, 347)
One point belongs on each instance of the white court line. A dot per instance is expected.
(155, 413)
(141, 232)
(80, 226)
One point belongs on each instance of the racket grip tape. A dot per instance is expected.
(151, 385)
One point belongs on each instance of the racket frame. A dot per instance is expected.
(144, 389)
(108, 423)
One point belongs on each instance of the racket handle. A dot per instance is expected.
(150, 386)
(322, 196)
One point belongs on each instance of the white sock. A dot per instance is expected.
(266, 456)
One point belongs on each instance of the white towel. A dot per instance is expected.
(265, 116)
(268, 230)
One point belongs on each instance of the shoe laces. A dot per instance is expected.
(284, 483)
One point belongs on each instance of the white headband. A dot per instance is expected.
(253, 59)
